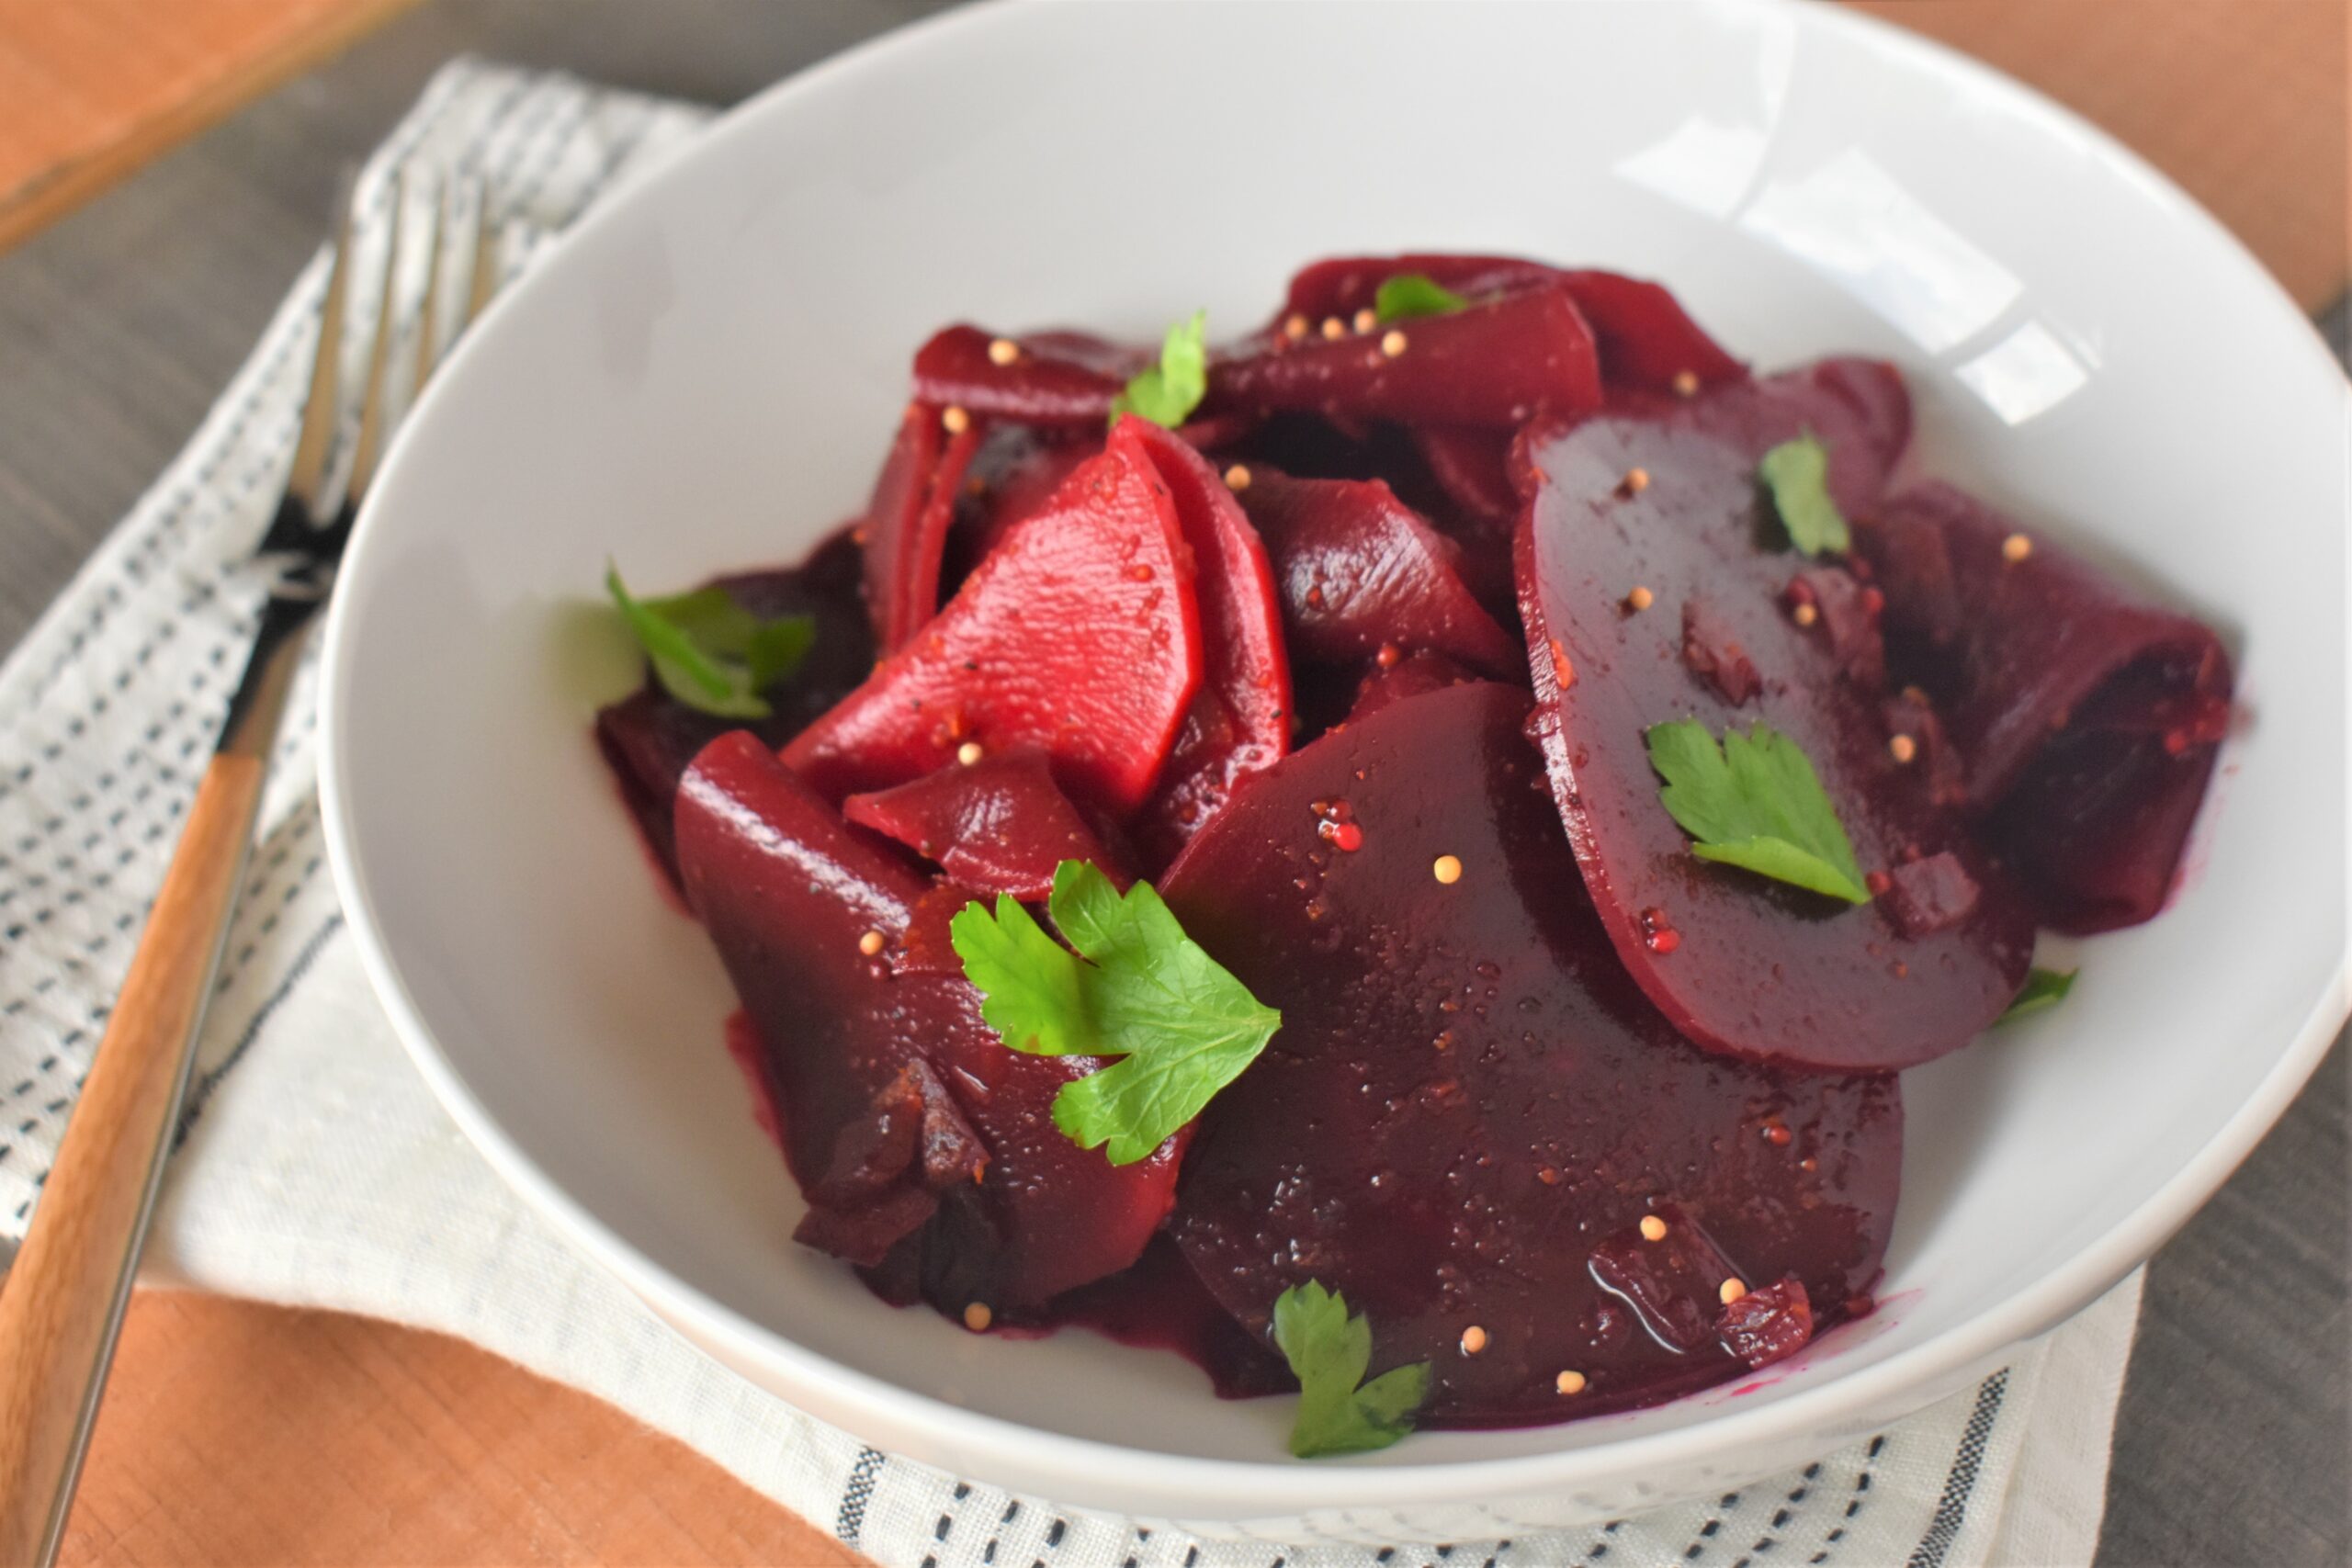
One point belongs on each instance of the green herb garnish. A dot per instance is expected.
(1167, 393)
(711, 653)
(2043, 989)
(1411, 294)
(1797, 473)
(1137, 988)
(1328, 1352)
(1755, 802)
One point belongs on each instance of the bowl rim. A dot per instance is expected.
(1065, 1466)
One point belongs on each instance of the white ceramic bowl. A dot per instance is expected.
(705, 375)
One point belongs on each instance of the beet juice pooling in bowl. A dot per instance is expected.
(1401, 856)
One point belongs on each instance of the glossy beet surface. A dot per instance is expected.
(1359, 570)
(907, 520)
(1740, 963)
(1469, 1108)
(1645, 340)
(926, 1150)
(2084, 721)
(1079, 634)
(1240, 720)
(1496, 363)
(999, 825)
(1049, 379)
(648, 736)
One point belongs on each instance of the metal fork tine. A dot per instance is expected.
(487, 236)
(319, 407)
(374, 413)
(428, 314)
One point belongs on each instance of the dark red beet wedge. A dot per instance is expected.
(1648, 342)
(1495, 364)
(1407, 677)
(649, 738)
(1359, 571)
(1054, 379)
(906, 521)
(1240, 720)
(2083, 720)
(1079, 634)
(1470, 1108)
(1000, 825)
(1740, 963)
(893, 1092)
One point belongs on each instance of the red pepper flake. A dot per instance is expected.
(1562, 671)
(1874, 600)
(1656, 935)
(1878, 882)
(1778, 1136)
(1388, 655)
(1338, 826)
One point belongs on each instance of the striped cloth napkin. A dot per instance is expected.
(316, 1169)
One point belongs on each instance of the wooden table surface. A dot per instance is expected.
(246, 1434)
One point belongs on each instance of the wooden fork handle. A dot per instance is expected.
(63, 1297)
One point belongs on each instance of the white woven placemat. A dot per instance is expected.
(318, 1171)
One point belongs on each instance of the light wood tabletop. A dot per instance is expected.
(249, 1434)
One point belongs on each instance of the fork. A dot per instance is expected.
(63, 1303)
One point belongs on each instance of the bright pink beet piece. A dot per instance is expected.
(1767, 1324)
(1358, 570)
(1079, 634)
(1015, 472)
(1000, 825)
(2084, 720)
(1240, 720)
(1740, 963)
(1495, 364)
(891, 1088)
(1468, 1097)
(1055, 379)
(1646, 340)
(649, 738)
(906, 521)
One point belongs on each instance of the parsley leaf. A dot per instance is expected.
(1755, 802)
(1168, 393)
(1327, 1351)
(1797, 473)
(708, 651)
(1411, 294)
(1137, 988)
(2043, 989)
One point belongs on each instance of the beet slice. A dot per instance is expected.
(1407, 676)
(1015, 472)
(1080, 635)
(1052, 378)
(856, 1055)
(1240, 720)
(1646, 339)
(650, 737)
(1740, 963)
(1359, 570)
(905, 531)
(1496, 363)
(1469, 1101)
(1000, 825)
(2084, 720)
(1858, 408)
